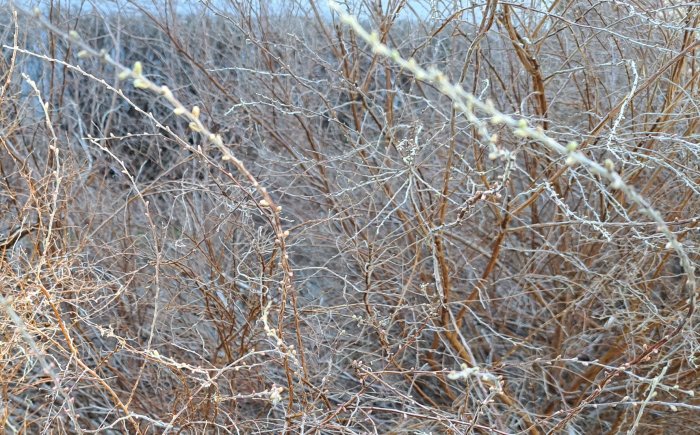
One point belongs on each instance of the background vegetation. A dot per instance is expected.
(327, 244)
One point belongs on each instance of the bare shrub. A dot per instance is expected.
(242, 217)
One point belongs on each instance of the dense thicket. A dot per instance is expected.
(423, 286)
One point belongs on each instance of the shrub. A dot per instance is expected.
(279, 218)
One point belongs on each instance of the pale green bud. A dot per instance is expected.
(140, 83)
(137, 69)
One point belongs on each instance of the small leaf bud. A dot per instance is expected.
(124, 74)
(137, 69)
(609, 165)
(140, 83)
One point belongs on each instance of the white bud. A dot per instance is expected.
(164, 90)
